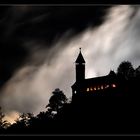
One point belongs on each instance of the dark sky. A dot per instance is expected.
(45, 24)
(39, 45)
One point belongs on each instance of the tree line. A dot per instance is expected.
(103, 116)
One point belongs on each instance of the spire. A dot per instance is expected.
(80, 58)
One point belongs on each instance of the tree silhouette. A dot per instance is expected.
(21, 124)
(3, 123)
(137, 72)
(1, 118)
(82, 115)
(125, 70)
(57, 100)
(24, 119)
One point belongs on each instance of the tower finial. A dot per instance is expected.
(80, 58)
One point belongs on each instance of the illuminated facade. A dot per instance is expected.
(99, 86)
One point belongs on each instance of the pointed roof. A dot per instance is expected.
(80, 58)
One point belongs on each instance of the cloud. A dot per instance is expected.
(11, 117)
(103, 48)
(26, 29)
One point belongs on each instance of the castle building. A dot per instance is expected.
(98, 86)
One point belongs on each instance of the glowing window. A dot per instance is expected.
(102, 87)
(75, 91)
(113, 85)
(94, 88)
(106, 86)
(91, 89)
(98, 88)
(87, 89)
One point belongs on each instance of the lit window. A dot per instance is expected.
(106, 86)
(91, 89)
(87, 89)
(98, 88)
(102, 87)
(75, 91)
(113, 85)
(94, 88)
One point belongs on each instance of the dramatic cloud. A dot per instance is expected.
(26, 29)
(103, 48)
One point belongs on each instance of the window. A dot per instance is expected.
(94, 88)
(113, 85)
(106, 86)
(98, 87)
(75, 91)
(91, 89)
(87, 89)
(102, 87)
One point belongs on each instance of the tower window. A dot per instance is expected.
(75, 91)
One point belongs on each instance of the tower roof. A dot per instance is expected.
(80, 58)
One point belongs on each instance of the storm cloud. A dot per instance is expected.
(26, 29)
(48, 39)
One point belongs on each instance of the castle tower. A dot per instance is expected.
(80, 67)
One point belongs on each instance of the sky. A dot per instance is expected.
(39, 45)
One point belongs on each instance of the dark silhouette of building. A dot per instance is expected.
(108, 85)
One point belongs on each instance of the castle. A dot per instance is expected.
(108, 85)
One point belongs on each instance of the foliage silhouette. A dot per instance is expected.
(98, 115)
(125, 70)
(56, 101)
(3, 123)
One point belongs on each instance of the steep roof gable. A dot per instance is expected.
(80, 58)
